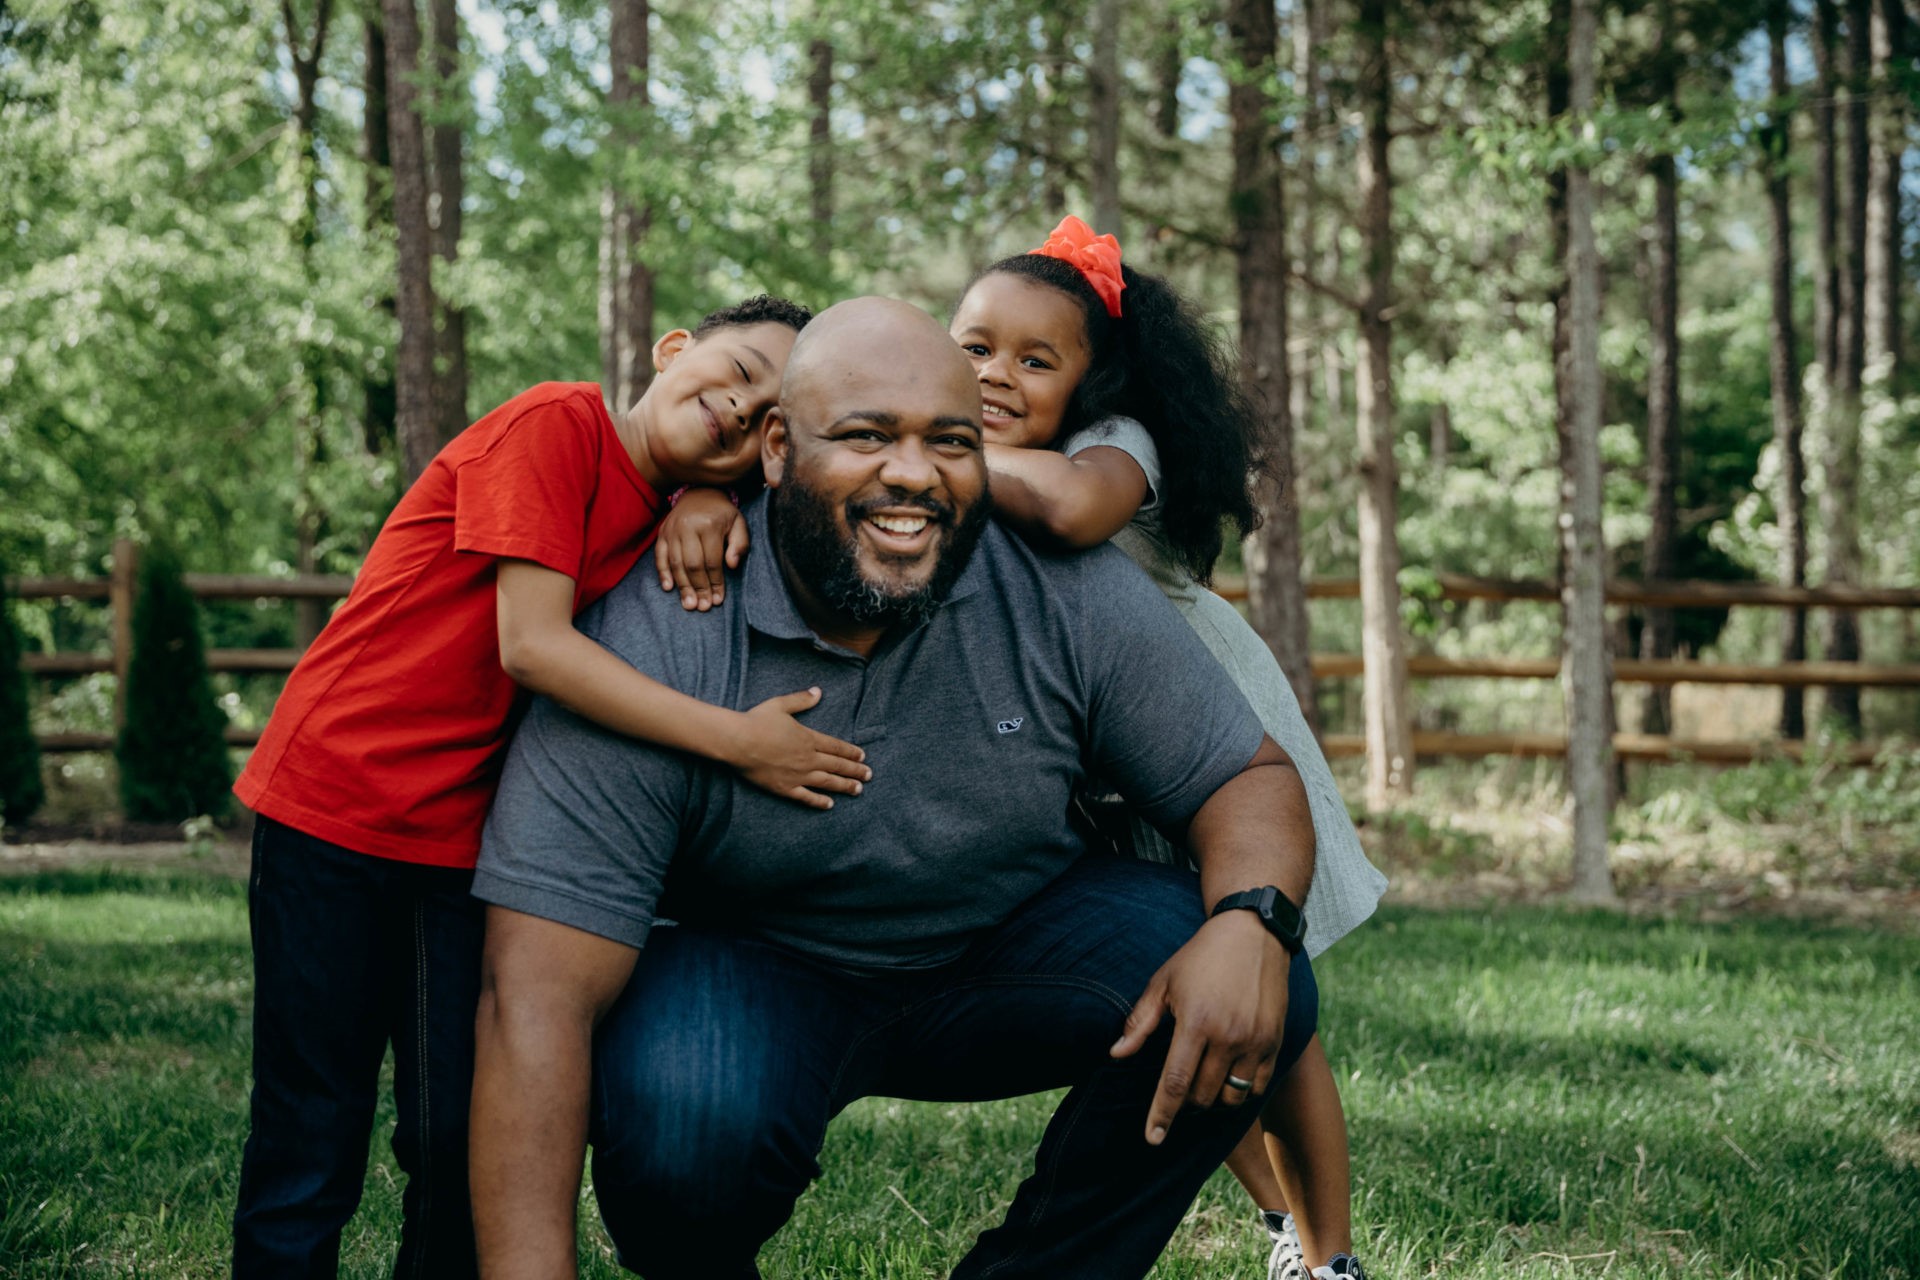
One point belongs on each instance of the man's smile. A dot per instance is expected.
(900, 532)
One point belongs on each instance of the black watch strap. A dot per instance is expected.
(1276, 911)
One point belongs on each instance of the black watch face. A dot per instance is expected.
(1283, 916)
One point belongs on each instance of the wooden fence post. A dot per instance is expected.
(120, 603)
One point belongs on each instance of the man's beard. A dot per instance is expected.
(826, 562)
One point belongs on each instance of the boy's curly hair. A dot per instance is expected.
(1163, 365)
(762, 308)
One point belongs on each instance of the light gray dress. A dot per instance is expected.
(1346, 887)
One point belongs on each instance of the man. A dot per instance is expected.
(940, 936)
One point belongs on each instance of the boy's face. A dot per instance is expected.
(701, 417)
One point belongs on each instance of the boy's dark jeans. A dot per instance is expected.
(351, 953)
(717, 1071)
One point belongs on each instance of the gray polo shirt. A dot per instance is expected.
(979, 725)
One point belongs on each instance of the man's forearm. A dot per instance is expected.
(1227, 988)
(543, 988)
(1256, 830)
(529, 1140)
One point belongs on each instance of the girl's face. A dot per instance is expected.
(1028, 344)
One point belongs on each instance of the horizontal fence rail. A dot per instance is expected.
(204, 586)
(1626, 746)
(81, 664)
(117, 591)
(1656, 594)
(1904, 675)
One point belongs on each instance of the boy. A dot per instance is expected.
(373, 778)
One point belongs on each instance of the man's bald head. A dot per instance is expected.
(876, 355)
(875, 459)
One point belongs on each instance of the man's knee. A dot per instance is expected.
(694, 1170)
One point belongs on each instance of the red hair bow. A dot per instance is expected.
(1095, 257)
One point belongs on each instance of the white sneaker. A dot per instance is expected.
(1342, 1266)
(1287, 1261)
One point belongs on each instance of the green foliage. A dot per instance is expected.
(172, 751)
(21, 790)
(1821, 790)
(168, 360)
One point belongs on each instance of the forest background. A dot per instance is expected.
(1541, 289)
(253, 270)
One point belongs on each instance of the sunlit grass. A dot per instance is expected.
(1530, 1092)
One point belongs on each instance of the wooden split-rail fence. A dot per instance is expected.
(117, 589)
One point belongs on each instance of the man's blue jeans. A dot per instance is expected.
(718, 1070)
(350, 953)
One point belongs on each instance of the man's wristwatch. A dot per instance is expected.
(1276, 911)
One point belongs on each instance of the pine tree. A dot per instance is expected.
(21, 791)
(172, 751)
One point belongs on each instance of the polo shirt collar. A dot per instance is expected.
(770, 607)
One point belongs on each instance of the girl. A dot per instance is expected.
(1111, 413)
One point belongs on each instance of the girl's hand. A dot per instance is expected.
(777, 753)
(702, 537)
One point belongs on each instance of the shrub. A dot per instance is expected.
(21, 791)
(172, 751)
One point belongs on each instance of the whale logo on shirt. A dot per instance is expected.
(1008, 726)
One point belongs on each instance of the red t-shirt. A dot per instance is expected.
(389, 735)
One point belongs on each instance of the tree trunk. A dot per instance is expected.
(1389, 730)
(1333, 386)
(626, 335)
(1055, 108)
(1784, 368)
(1306, 78)
(1885, 277)
(1589, 724)
(1103, 126)
(1169, 62)
(377, 427)
(1840, 488)
(1826, 292)
(1275, 593)
(445, 215)
(309, 615)
(1663, 388)
(413, 297)
(306, 77)
(611, 273)
(820, 149)
(1559, 19)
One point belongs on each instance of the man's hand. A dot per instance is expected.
(1227, 992)
(701, 538)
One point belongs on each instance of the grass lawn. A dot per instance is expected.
(1530, 1093)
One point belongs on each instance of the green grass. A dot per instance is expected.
(1530, 1092)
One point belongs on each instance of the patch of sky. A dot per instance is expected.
(1203, 97)
(489, 36)
(1003, 164)
(756, 76)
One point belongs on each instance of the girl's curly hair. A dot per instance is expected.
(1163, 365)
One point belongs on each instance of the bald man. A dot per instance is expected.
(945, 935)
